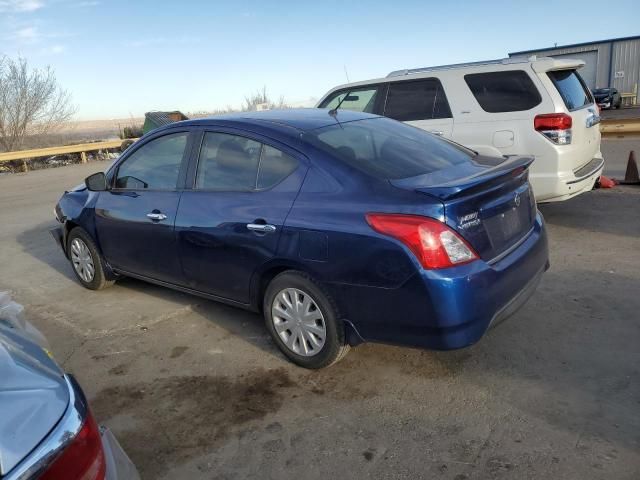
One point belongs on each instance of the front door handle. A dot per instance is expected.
(261, 227)
(437, 132)
(156, 217)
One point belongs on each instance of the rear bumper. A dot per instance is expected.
(452, 308)
(553, 188)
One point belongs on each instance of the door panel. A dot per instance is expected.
(220, 234)
(135, 218)
(132, 241)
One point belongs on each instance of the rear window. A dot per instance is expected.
(417, 100)
(387, 149)
(571, 87)
(508, 91)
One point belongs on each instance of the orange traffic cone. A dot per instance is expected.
(631, 176)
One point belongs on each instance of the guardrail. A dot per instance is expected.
(620, 126)
(81, 148)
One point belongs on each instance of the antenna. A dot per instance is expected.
(346, 73)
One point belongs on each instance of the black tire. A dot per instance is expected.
(99, 280)
(619, 105)
(334, 347)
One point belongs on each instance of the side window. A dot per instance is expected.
(359, 100)
(417, 100)
(508, 91)
(227, 162)
(155, 165)
(274, 167)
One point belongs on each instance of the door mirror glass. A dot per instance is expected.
(96, 182)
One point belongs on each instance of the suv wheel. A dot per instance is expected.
(87, 263)
(303, 321)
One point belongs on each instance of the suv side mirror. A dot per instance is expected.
(96, 182)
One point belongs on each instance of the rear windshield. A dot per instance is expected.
(571, 87)
(387, 149)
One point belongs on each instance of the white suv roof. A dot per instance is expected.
(541, 64)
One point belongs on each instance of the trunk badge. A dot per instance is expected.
(516, 199)
(468, 220)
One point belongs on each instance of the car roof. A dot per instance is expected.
(301, 119)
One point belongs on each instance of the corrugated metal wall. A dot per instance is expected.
(626, 58)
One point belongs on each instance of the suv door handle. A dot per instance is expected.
(261, 227)
(156, 217)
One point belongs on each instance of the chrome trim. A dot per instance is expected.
(156, 217)
(262, 228)
(581, 178)
(62, 435)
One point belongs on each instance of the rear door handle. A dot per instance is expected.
(156, 217)
(261, 227)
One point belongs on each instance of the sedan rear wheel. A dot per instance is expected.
(304, 321)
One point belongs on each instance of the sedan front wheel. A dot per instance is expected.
(86, 261)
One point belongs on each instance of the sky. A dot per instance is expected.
(123, 58)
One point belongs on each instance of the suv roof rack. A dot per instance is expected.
(503, 61)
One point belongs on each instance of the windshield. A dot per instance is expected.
(601, 90)
(386, 148)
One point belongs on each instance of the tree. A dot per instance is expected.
(262, 98)
(31, 102)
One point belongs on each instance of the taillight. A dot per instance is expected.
(555, 126)
(431, 241)
(82, 459)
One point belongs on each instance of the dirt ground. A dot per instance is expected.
(195, 389)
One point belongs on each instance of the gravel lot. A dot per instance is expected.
(194, 389)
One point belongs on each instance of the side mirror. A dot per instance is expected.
(96, 182)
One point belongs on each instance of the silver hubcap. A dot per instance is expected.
(82, 260)
(299, 322)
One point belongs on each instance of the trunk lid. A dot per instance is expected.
(488, 202)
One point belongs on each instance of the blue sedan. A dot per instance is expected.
(340, 227)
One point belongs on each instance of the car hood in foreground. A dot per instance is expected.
(33, 392)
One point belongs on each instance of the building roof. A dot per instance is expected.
(165, 118)
(547, 49)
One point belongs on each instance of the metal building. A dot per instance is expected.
(609, 63)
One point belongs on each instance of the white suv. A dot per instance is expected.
(516, 106)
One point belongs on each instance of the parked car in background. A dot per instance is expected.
(516, 106)
(608, 98)
(340, 227)
(47, 431)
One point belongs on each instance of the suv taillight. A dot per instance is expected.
(431, 241)
(82, 459)
(555, 126)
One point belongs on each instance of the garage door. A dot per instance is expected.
(588, 72)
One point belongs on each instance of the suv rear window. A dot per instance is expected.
(417, 100)
(571, 88)
(508, 91)
(387, 149)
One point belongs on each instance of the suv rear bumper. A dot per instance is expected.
(555, 189)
